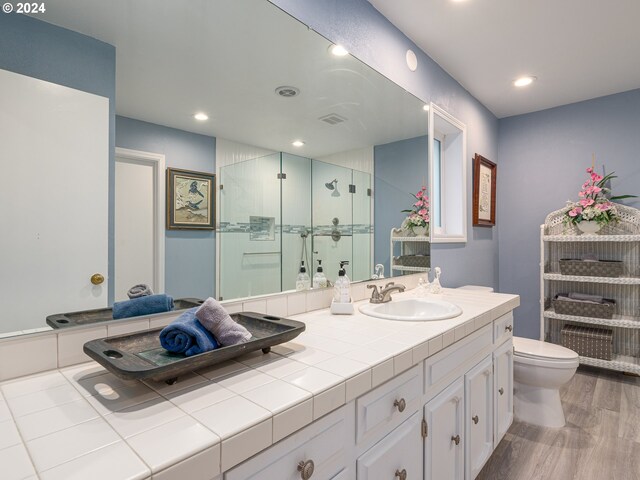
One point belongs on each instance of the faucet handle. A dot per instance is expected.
(375, 295)
(390, 284)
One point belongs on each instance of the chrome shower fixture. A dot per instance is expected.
(332, 185)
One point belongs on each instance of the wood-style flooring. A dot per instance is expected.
(601, 440)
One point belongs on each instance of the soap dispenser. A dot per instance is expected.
(319, 279)
(341, 303)
(303, 282)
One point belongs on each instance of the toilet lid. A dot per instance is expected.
(527, 347)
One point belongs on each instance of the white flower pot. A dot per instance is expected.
(420, 231)
(589, 227)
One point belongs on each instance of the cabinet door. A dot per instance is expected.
(398, 455)
(503, 390)
(444, 445)
(478, 387)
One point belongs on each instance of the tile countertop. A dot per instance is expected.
(82, 422)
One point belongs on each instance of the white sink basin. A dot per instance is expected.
(412, 310)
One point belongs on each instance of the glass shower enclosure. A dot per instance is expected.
(281, 209)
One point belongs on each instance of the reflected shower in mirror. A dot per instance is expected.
(117, 103)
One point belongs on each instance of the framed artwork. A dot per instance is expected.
(484, 192)
(190, 197)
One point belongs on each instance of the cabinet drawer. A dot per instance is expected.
(381, 410)
(503, 328)
(400, 451)
(323, 442)
(453, 361)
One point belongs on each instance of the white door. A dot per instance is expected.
(135, 204)
(54, 149)
(398, 455)
(478, 387)
(503, 390)
(444, 445)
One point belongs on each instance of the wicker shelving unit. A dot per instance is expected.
(619, 241)
(404, 247)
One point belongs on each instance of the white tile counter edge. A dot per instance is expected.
(379, 350)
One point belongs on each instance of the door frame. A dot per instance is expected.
(157, 162)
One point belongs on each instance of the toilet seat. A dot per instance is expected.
(544, 354)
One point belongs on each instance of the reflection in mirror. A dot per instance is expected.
(102, 75)
(447, 154)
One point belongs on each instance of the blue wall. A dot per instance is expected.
(368, 35)
(41, 50)
(543, 157)
(190, 256)
(400, 169)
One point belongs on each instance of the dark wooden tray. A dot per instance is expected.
(89, 317)
(140, 356)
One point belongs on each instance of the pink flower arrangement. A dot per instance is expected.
(594, 204)
(419, 214)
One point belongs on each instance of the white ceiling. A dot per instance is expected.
(578, 49)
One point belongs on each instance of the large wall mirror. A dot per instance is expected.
(315, 154)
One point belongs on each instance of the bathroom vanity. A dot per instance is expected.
(351, 397)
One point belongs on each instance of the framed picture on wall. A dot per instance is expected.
(484, 192)
(190, 200)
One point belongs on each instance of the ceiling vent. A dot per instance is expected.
(287, 92)
(333, 119)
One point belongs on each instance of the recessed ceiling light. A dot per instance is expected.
(524, 81)
(338, 50)
(297, 143)
(201, 116)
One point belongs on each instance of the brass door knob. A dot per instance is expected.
(475, 419)
(501, 391)
(306, 469)
(400, 405)
(508, 328)
(401, 474)
(97, 279)
(456, 439)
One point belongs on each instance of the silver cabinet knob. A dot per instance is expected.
(456, 439)
(401, 474)
(475, 419)
(508, 328)
(306, 469)
(501, 391)
(400, 405)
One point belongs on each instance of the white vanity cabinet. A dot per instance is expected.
(444, 444)
(479, 425)
(503, 390)
(397, 456)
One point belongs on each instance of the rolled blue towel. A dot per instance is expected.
(146, 305)
(187, 335)
(215, 318)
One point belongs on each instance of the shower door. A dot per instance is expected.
(250, 232)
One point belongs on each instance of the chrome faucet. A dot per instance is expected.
(384, 295)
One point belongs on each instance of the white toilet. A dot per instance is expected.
(539, 370)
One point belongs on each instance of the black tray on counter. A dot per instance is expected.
(89, 317)
(140, 356)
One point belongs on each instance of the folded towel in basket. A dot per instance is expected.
(585, 297)
(143, 306)
(187, 335)
(140, 290)
(215, 318)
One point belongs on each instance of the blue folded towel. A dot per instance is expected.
(187, 335)
(146, 305)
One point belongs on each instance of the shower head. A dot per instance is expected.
(332, 185)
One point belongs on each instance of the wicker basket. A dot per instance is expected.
(584, 309)
(588, 341)
(423, 261)
(601, 268)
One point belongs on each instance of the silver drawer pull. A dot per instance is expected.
(306, 469)
(501, 391)
(401, 474)
(456, 439)
(508, 328)
(475, 419)
(400, 405)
